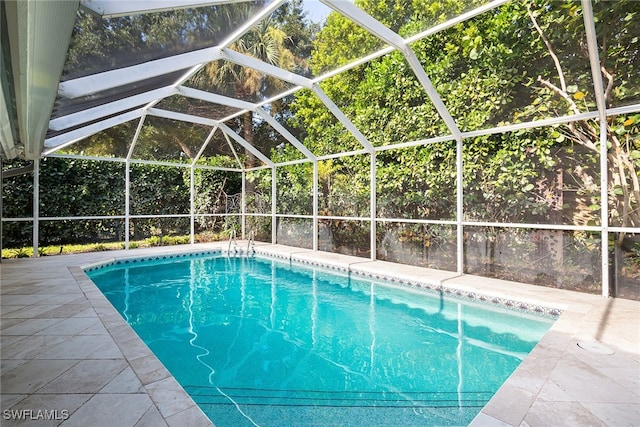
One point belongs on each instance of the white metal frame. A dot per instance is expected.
(193, 61)
(594, 62)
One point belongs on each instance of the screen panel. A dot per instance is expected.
(294, 186)
(345, 237)
(552, 258)
(296, 232)
(423, 245)
(536, 176)
(417, 182)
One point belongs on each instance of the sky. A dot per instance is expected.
(317, 12)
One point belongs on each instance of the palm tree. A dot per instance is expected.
(264, 42)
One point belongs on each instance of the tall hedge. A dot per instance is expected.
(76, 188)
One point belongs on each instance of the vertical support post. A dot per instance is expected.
(36, 206)
(598, 86)
(274, 193)
(316, 227)
(243, 205)
(459, 207)
(604, 208)
(192, 205)
(373, 208)
(127, 184)
(127, 203)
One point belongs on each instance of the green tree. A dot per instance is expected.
(265, 42)
(569, 90)
(211, 188)
(521, 61)
(292, 20)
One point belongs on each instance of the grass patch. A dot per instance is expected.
(67, 249)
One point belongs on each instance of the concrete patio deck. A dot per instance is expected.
(69, 359)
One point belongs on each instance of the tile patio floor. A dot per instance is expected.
(67, 354)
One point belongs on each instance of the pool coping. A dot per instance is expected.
(164, 390)
(422, 283)
(533, 376)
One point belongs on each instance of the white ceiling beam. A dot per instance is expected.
(433, 30)
(215, 98)
(136, 135)
(189, 118)
(625, 109)
(343, 118)
(100, 111)
(376, 28)
(76, 135)
(263, 67)
(233, 150)
(456, 20)
(202, 148)
(552, 121)
(112, 9)
(232, 116)
(431, 92)
(186, 76)
(38, 38)
(594, 58)
(268, 10)
(245, 144)
(7, 142)
(354, 64)
(416, 143)
(285, 133)
(94, 83)
(363, 19)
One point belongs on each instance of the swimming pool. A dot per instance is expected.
(260, 341)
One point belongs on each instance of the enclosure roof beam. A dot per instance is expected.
(204, 146)
(378, 29)
(94, 83)
(594, 58)
(113, 9)
(263, 67)
(136, 135)
(285, 133)
(240, 140)
(424, 80)
(268, 10)
(430, 31)
(189, 118)
(366, 21)
(215, 98)
(457, 20)
(342, 118)
(233, 150)
(69, 138)
(105, 110)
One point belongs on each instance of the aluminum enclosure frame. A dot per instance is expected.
(144, 105)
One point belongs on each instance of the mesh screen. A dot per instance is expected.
(558, 259)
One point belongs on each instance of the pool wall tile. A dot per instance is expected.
(364, 269)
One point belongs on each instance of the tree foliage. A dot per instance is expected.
(522, 61)
(519, 62)
(86, 188)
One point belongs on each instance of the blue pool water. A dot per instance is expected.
(257, 341)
